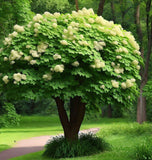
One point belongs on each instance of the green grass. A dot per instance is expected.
(122, 134)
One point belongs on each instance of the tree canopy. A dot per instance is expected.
(69, 55)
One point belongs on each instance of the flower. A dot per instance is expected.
(64, 42)
(56, 56)
(19, 28)
(118, 57)
(18, 77)
(59, 68)
(75, 64)
(135, 62)
(54, 25)
(32, 62)
(5, 79)
(27, 58)
(123, 85)
(47, 76)
(34, 53)
(102, 86)
(42, 47)
(37, 17)
(115, 84)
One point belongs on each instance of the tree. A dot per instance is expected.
(78, 56)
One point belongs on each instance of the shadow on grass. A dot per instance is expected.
(4, 147)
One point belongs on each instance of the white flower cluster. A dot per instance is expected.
(135, 63)
(99, 45)
(132, 40)
(83, 43)
(117, 68)
(54, 25)
(102, 21)
(129, 83)
(98, 64)
(75, 64)
(56, 14)
(34, 53)
(7, 41)
(118, 30)
(47, 76)
(64, 42)
(59, 68)
(91, 20)
(48, 14)
(5, 79)
(102, 86)
(122, 49)
(115, 42)
(87, 25)
(83, 12)
(42, 47)
(19, 28)
(33, 62)
(15, 55)
(124, 42)
(118, 57)
(14, 34)
(18, 77)
(27, 58)
(69, 33)
(37, 18)
(56, 56)
(115, 84)
(137, 52)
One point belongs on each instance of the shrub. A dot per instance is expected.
(9, 116)
(87, 144)
(144, 150)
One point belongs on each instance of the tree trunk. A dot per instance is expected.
(71, 125)
(109, 111)
(141, 106)
(77, 5)
(100, 8)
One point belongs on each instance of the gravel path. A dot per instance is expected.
(34, 144)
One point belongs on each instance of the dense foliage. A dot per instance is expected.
(87, 144)
(68, 55)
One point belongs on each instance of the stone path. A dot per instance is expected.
(31, 145)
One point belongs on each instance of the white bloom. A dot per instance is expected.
(137, 52)
(102, 86)
(12, 62)
(118, 57)
(5, 59)
(64, 42)
(54, 20)
(14, 34)
(42, 47)
(129, 83)
(27, 58)
(135, 62)
(47, 76)
(56, 14)
(18, 77)
(34, 53)
(124, 42)
(54, 25)
(47, 14)
(5, 79)
(115, 84)
(115, 42)
(19, 28)
(56, 56)
(123, 85)
(99, 64)
(59, 68)
(28, 46)
(138, 67)
(36, 25)
(32, 62)
(87, 25)
(91, 20)
(75, 64)
(37, 17)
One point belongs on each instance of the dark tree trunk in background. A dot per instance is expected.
(109, 111)
(71, 125)
(77, 5)
(141, 105)
(113, 11)
(100, 8)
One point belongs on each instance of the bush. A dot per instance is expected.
(86, 145)
(9, 116)
(144, 150)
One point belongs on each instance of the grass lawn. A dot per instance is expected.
(122, 134)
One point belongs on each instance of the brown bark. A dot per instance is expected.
(141, 106)
(100, 8)
(77, 5)
(109, 111)
(72, 125)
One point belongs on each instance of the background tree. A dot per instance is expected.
(78, 56)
